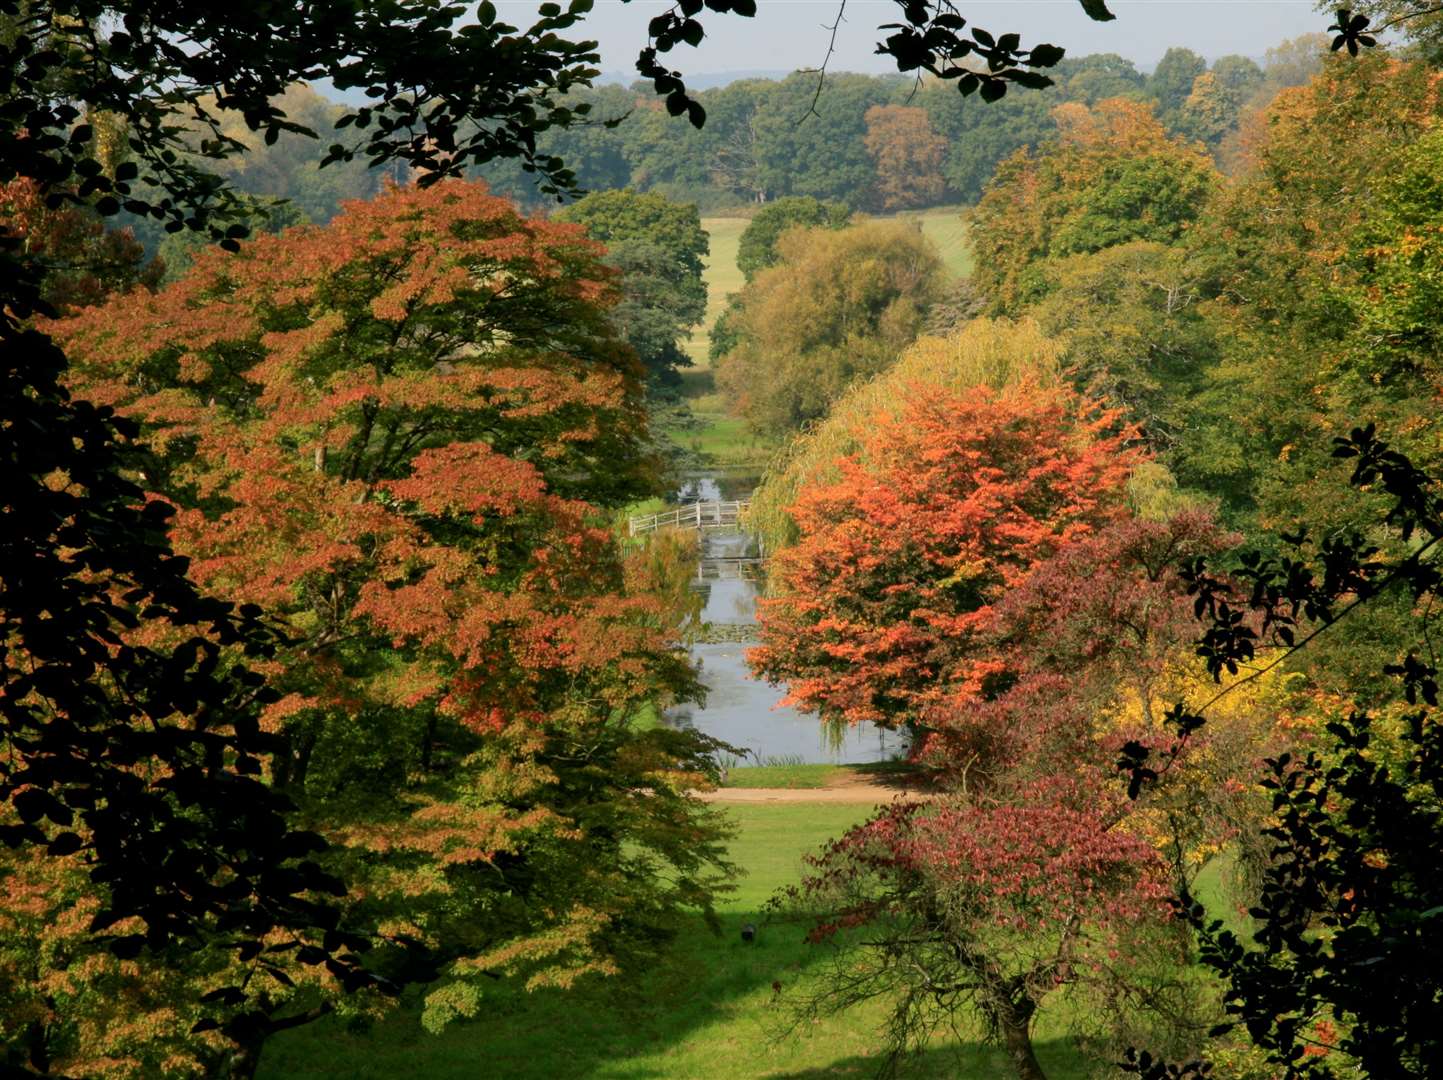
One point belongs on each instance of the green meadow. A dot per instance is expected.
(717, 1009)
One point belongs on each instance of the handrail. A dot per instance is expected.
(698, 515)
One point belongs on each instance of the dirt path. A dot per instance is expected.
(848, 788)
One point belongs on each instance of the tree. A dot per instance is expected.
(1172, 80)
(961, 907)
(119, 69)
(883, 603)
(658, 309)
(395, 433)
(1095, 78)
(1131, 318)
(659, 246)
(1419, 23)
(194, 848)
(826, 157)
(1344, 963)
(995, 353)
(1290, 292)
(1034, 876)
(1112, 176)
(1218, 98)
(290, 166)
(839, 305)
(757, 248)
(977, 141)
(907, 155)
(82, 261)
(610, 216)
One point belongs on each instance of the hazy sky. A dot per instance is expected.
(788, 34)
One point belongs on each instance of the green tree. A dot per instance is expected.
(657, 307)
(610, 216)
(596, 147)
(1313, 325)
(810, 145)
(1111, 176)
(839, 305)
(978, 140)
(1130, 318)
(1218, 98)
(659, 247)
(1172, 80)
(1098, 76)
(757, 248)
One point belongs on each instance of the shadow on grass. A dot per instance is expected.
(696, 382)
(901, 776)
(712, 999)
(714, 1008)
(1058, 1057)
(717, 1009)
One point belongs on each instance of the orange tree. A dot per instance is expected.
(399, 433)
(954, 497)
(908, 156)
(1034, 878)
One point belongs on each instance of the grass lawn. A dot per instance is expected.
(944, 227)
(719, 437)
(709, 1012)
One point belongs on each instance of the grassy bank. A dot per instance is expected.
(800, 777)
(712, 1011)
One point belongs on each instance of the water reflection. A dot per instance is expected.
(740, 709)
(744, 712)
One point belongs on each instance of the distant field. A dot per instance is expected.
(710, 1012)
(944, 227)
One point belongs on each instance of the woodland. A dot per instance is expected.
(334, 730)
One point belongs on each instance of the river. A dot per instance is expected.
(740, 709)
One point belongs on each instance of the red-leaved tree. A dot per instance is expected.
(976, 573)
(886, 601)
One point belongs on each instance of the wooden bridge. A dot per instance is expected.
(698, 515)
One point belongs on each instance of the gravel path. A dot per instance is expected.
(845, 789)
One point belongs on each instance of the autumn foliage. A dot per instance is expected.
(977, 568)
(399, 434)
(1111, 175)
(908, 156)
(954, 497)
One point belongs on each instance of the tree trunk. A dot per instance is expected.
(303, 759)
(428, 742)
(243, 1061)
(1017, 1040)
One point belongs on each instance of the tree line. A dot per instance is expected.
(874, 143)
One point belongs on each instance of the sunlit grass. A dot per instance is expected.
(716, 1009)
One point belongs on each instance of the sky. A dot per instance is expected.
(790, 34)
